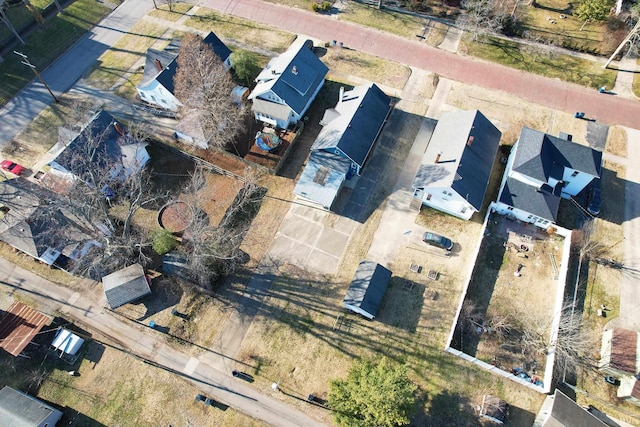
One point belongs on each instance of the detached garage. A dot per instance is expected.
(367, 289)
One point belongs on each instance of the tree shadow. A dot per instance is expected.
(450, 409)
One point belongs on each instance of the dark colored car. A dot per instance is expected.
(612, 380)
(12, 167)
(437, 240)
(595, 199)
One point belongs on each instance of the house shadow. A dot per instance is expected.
(71, 416)
(402, 304)
(519, 417)
(480, 290)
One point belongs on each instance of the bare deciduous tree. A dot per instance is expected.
(204, 86)
(102, 201)
(573, 346)
(481, 17)
(214, 250)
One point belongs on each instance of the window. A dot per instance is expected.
(530, 216)
(464, 209)
(510, 208)
(444, 192)
(574, 174)
(429, 196)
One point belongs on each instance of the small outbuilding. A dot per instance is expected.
(126, 285)
(20, 409)
(367, 289)
(67, 344)
(19, 326)
(494, 409)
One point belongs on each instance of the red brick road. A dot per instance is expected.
(544, 91)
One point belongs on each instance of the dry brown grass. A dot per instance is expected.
(42, 133)
(29, 263)
(350, 62)
(617, 141)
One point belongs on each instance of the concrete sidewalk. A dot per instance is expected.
(87, 309)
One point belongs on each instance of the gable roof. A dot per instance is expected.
(125, 285)
(18, 409)
(542, 156)
(101, 143)
(19, 326)
(624, 351)
(466, 143)
(567, 413)
(167, 61)
(353, 125)
(367, 288)
(29, 224)
(322, 178)
(543, 204)
(293, 76)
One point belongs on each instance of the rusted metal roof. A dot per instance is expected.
(18, 327)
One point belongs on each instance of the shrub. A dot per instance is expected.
(162, 241)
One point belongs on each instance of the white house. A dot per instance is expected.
(344, 144)
(105, 141)
(540, 171)
(160, 68)
(454, 173)
(288, 84)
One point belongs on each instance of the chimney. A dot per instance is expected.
(118, 128)
(341, 94)
(470, 141)
(438, 157)
(294, 70)
(158, 64)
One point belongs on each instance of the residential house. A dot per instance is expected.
(367, 289)
(540, 171)
(104, 142)
(344, 144)
(126, 285)
(31, 224)
(288, 84)
(160, 69)
(453, 176)
(559, 410)
(18, 409)
(620, 357)
(619, 353)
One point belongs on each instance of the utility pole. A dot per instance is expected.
(635, 31)
(25, 61)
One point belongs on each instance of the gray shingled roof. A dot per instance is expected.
(125, 285)
(18, 409)
(293, 76)
(168, 60)
(567, 413)
(322, 178)
(368, 287)
(529, 199)
(541, 156)
(360, 115)
(464, 167)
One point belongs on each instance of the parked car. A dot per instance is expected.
(12, 167)
(595, 199)
(612, 380)
(437, 240)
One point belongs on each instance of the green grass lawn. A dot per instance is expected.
(564, 67)
(44, 46)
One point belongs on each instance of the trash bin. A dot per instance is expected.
(152, 324)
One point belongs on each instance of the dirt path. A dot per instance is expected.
(549, 92)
